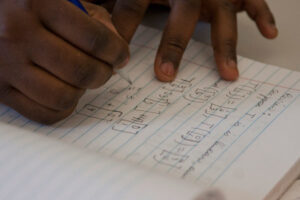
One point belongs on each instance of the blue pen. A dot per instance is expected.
(121, 73)
(79, 5)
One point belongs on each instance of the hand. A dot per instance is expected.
(51, 52)
(222, 14)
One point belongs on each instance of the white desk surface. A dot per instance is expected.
(283, 51)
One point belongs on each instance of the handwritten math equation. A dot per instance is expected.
(220, 115)
(195, 127)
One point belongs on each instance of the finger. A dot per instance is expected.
(66, 62)
(260, 12)
(45, 89)
(76, 27)
(127, 15)
(180, 27)
(161, 2)
(224, 40)
(107, 4)
(31, 109)
(100, 14)
(100, 9)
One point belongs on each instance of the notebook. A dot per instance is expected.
(196, 138)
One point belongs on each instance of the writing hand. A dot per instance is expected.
(51, 52)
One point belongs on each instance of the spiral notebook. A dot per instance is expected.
(196, 138)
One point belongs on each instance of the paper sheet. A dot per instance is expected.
(195, 128)
(35, 167)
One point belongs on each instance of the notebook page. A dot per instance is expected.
(197, 128)
(35, 167)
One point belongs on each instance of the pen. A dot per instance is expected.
(119, 71)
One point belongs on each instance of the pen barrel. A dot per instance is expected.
(79, 5)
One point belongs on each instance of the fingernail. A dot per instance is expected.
(273, 29)
(168, 69)
(230, 73)
(123, 64)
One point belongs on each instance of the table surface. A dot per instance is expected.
(283, 51)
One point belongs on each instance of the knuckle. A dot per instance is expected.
(176, 43)
(229, 44)
(4, 91)
(67, 98)
(225, 45)
(258, 12)
(226, 48)
(228, 5)
(13, 21)
(173, 50)
(85, 75)
(134, 7)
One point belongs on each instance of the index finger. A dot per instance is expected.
(87, 34)
(127, 15)
(178, 32)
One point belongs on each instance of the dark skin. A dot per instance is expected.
(51, 52)
(221, 14)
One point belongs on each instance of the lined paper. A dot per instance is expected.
(32, 167)
(195, 128)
